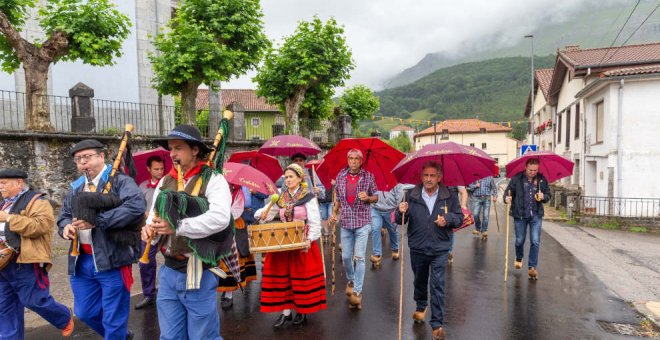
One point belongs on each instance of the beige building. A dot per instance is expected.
(541, 122)
(489, 137)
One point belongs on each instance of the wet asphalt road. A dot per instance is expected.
(565, 303)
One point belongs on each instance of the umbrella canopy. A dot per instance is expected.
(379, 159)
(461, 164)
(140, 159)
(289, 145)
(315, 166)
(551, 165)
(267, 164)
(247, 176)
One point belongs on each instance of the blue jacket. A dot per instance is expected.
(517, 188)
(256, 203)
(108, 254)
(424, 236)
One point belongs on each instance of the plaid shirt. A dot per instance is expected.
(358, 214)
(486, 188)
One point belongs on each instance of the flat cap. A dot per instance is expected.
(86, 144)
(13, 173)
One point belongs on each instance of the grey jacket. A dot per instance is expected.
(389, 200)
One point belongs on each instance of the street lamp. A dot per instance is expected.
(532, 113)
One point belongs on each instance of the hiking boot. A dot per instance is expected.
(419, 316)
(484, 235)
(349, 288)
(355, 301)
(439, 334)
(395, 255)
(475, 232)
(376, 260)
(533, 273)
(518, 264)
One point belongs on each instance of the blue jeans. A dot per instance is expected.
(326, 209)
(431, 267)
(481, 204)
(378, 219)
(534, 224)
(19, 289)
(101, 299)
(187, 314)
(354, 247)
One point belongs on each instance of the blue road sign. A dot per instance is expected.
(527, 148)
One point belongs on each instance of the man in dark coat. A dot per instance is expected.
(432, 212)
(527, 191)
(101, 274)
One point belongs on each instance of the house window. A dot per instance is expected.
(483, 146)
(577, 120)
(445, 134)
(568, 128)
(600, 121)
(482, 130)
(472, 144)
(559, 131)
(256, 121)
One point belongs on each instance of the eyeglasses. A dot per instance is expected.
(86, 158)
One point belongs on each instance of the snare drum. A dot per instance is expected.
(274, 237)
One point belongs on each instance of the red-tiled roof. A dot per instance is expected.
(248, 99)
(629, 71)
(464, 126)
(402, 128)
(543, 79)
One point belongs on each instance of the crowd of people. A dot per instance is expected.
(113, 239)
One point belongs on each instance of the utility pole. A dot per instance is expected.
(531, 110)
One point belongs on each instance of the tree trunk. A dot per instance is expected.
(188, 103)
(37, 112)
(292, 104)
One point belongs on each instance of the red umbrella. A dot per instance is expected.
(288, 145)
(379, 159)
(267, 164)
(315, 166)
(140, 158)
(551, 165)
(461, 164)
(245, 175)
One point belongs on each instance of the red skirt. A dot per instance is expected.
(293, 280)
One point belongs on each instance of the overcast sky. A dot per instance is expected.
(388, 36)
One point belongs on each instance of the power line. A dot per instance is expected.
(620, 30)
(635, 31)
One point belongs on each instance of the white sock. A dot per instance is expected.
(229, 295)
(286, 312)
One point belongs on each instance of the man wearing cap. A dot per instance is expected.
(356, 191)
(187, 300)
(101, 274)
(26, 224)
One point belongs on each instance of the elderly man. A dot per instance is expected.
(356, 191)
(527, 191)
(101, 275)
(26, 229)
(432, 212)
(187, 300)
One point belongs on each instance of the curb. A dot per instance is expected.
(643, 308)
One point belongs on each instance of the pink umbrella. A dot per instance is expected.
(140, 159)
(461, 164)
(247, 176)
(289, 145)
(551, 165)
(267, 164)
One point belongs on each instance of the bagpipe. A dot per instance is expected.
(87, 205)
(174, 206)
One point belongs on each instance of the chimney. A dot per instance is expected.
(571, 48)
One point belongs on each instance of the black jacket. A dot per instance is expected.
(516, 186)
(424, 236)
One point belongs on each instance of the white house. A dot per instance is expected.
(490, 137)
(399, 129)
(541, 122)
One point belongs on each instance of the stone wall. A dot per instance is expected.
(45, 156)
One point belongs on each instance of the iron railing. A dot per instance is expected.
(642, 208)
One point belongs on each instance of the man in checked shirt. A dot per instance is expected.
(356, 191)
(483, 192)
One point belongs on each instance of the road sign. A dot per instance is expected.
(527, 148)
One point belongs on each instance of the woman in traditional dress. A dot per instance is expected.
(294, 279)
(228, 285)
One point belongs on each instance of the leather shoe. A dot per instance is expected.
(282, 320)
(147, 301)
(300, 319)
(226, 302)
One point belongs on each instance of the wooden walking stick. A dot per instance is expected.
(321, 238)
(401, 248)
(334, 240)
(506, 253)
(497, 219)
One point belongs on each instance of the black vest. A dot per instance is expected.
(14, 239)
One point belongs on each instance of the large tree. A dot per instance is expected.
(314, 60)
(359, 103)
(208, 41)
(88, 30)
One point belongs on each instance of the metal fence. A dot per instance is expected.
(642, 208)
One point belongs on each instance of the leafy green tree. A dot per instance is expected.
(359, 103)
(401, 142)
(304, 71)
(208, 41)
(91, 31)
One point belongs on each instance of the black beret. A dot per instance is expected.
(13, 173)
(86, 144)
